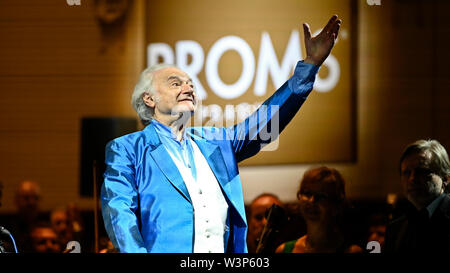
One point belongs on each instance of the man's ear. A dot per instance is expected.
(149, 99)
(446, 184)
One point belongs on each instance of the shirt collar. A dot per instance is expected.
(434, 205)
(166, 130)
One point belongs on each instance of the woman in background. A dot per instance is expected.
(322, 199)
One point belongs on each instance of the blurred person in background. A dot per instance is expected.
(76, 222)
(377, 228)
(322, 202)
(106, 246)
(257, 218)
(27, 200)
(44, 239)
(424, 174)
(62, 225)
(28, 212)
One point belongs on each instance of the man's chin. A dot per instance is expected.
(419, 200)
(183, 113)
(187, 108)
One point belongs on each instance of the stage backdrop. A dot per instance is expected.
(239, 52)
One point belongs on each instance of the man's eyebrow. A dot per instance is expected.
(177, 78)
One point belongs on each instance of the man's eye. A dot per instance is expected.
(406, 173)
(423, 171)
(306, 194)
(259, 217)
(321, 196)
(175, 84)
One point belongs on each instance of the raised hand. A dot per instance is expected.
(319, 47)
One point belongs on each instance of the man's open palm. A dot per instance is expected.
(319, 47)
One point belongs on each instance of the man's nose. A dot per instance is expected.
(187, 88)
(411, 177)
(49, 245)
(311, 198)
(264, 221)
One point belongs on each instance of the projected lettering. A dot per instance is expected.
(267, 64)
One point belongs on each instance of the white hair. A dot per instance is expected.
(145, 85)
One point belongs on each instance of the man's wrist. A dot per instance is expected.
(311, 61)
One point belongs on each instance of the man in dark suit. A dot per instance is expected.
(425, 173)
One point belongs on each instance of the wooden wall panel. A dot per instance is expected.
(58, 65)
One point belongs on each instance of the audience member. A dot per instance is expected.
(44, 239)
(106, 246)
(75, 219)
(377, 228)
(322, 202)
(257, 218)
(62, 225)
(27, 201)
(424, 174)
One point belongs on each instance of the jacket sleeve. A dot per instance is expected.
(265, 125)
(119, 199)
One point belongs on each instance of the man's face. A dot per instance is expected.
(420, 184)
(60, 222)
(27, 198)
(377, 233)
(45, 240)
(174, 93)
(258, 214)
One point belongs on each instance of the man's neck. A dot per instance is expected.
(177, 124)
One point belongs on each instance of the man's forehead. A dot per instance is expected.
(422, 159)
(172, 73)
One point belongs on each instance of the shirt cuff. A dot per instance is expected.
(302, 82)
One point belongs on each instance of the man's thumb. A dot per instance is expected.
(307, 31)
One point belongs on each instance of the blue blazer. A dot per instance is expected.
(145, 204)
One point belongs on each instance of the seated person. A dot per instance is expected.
(322, 199)
(44, 239)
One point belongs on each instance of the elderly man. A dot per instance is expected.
(174, 189)
(425, 172)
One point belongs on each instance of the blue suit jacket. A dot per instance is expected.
(145, 204)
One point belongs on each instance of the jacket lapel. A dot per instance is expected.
(165, 162)
(215, 160)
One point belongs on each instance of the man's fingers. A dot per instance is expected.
(336, 28)
(330, 24)
(307, 31)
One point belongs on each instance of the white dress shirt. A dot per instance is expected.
(210, 206)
